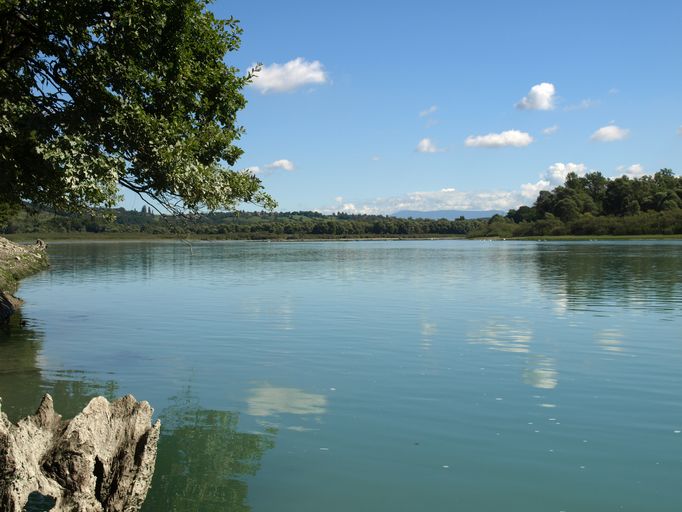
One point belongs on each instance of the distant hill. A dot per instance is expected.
(448, 214)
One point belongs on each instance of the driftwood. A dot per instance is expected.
(102, 460)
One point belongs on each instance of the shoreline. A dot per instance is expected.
(16, 263)
(58, 238)
(19, 261)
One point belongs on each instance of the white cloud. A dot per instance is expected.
(450, 198)
(513, 138)
(444, 199)
(540, 97)
(610, 133)
(376, 158)
(254, 169)
(550, 130)
(427, 146)
(582, 105)
(531, 190)
(554, 176)
(428, 111)
(287, 165)
(557, 172)
(633, 171)
(289, 76)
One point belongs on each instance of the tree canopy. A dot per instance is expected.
(597, 195)
(101, 94)
(596, 205)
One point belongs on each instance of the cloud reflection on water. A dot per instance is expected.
(514, 336)
(541, 373)
(428, 331)
(610, 340)
(269, 400)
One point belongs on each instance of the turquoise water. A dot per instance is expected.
(374, 376)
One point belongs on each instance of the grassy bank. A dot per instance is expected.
(19, 261)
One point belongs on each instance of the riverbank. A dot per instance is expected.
(19, 261)
(595, 238)
(140, 237)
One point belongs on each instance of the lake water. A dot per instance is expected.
(373, 376)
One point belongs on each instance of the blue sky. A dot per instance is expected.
(341, 127)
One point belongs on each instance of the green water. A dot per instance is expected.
(374, 376)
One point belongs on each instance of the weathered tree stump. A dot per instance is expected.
(101, 460)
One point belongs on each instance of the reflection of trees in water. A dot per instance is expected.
(202, 460)
(23, 384)
(632, 275)
(129, 261)
(19, 372)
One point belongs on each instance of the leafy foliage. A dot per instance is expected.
(97, 94)
(7, 211)
(242, 225)
(596, 205)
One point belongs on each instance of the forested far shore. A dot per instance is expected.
(234, 225)
(589, 205)
(596, 205)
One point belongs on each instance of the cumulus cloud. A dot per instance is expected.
(632, 171)
(550, 130)
(289, 76)
(557, 172)
(254, 169)
(555, 175)
(540, 97)
(427, 146)
(432, 109)
(450, 198)
(443, 199)
(531, 190)
(514, 138)
(610, 133)
(284, 164)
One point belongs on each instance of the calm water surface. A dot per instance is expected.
(374, 376)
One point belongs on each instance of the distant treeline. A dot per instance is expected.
(584, 205)
(237, 225)
(595, 205)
